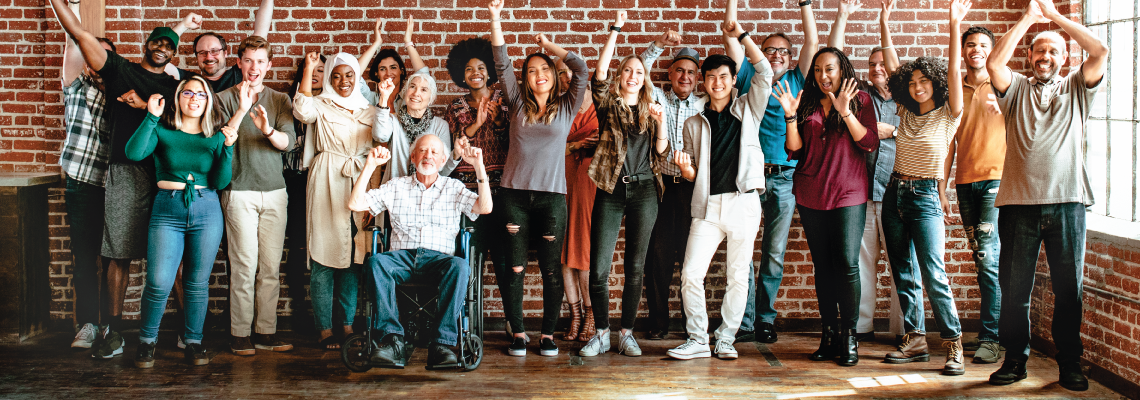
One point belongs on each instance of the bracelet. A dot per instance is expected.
(885, 47)
(848, 115)
(410, 44)
(805, 3)
(73, 2)
(615, 28)
(742, 36)
(791, 119)
(477, 180)
(271, 132)
(382, 108)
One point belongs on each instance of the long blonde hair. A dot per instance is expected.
(210, 119)
(644, 96)
(530, 104)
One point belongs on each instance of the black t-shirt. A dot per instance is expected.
(232, 77)
(725, 151)
(119, 77)
(637, 148)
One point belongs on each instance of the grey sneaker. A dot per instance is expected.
(598, 344)
(988, 353)
(108, 344)
(689, 350)
(85, 337)
(725, 350)
(628, 345)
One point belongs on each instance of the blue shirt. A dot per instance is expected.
(773, 129)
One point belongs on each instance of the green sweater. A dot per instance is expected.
(193, 159)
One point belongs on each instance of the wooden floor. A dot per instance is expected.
(47, 368)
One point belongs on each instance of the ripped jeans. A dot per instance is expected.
(541, 220)
(980, 220)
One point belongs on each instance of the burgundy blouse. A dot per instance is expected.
(832, 170)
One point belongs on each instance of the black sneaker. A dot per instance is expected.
(518, 347)
(743, 336)
(144, 356)
(196, 354)
(1011, 371)
(1072, 377)
(766, 333)
(546, 347)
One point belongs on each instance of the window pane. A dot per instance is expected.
(1120, 179)
(1097, 11)
(1123, 70)
(1095, 157)
(1100, 102)
(1121, 9)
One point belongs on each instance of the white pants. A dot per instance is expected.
(869, 253)
(737, 217)
(255, 227)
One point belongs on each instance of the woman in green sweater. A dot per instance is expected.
(191, 162)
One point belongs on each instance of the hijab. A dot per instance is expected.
(355, 101)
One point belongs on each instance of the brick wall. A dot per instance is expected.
(31, 42)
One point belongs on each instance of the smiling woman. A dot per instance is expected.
(412, 119)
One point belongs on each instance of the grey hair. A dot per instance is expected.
(429, 81)
(874, 50)
(1051, 35)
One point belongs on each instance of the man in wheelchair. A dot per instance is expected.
(424, 209)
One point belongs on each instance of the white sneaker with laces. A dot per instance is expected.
(628, 345)
(689, 350)
(598, 344)
(725, 350)
(85, 337)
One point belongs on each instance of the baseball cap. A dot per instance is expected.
(163, 32)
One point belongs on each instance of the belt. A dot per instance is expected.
(899, 176)
(672, 178)
(770, 169)
(636, 178)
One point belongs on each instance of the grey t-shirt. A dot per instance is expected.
(257, 164)
(1045, 127)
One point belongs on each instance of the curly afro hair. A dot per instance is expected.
(463, 52)
(934, 68)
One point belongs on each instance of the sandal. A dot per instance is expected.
(329, 344)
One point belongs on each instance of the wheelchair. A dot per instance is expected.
(417, 301)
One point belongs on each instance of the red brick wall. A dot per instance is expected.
(31, 42)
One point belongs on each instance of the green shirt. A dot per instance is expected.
(190, 158)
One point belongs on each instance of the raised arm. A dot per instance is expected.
(729, 37)
(263, 19)
(72, 57)
(384, 125)
(1094, 66)
(1000, 74)
(496, 9)
(890, 57)
(145, 140)
(607, 54)
(191, 21)
(358, 200)
(668, 39)
(221, 173)
(846, 8)
(958, 10)
(88, 44)
(811, 39)
(377, 40)
(410, 46)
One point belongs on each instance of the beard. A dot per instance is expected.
(148, 57)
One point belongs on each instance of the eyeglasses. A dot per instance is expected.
(213, 52)
(774, 50)
(193, 94)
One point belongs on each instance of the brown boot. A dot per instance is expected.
(955, 356)
(913, 348)
(575, 321)
(588, 331)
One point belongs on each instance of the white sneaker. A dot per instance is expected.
(725, 351)
(628, 345)
(598, 344)
(689, 350)
(85, 337)
(181, 343)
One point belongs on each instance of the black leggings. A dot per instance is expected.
(834, 238)
(541, 219)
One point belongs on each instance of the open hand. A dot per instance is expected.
(959, 8)
(245, 96)
(155, 104)
(783, 94)
(847, 7)
(261, 120)
(409, 29)
(459, 146)
(378, 156)
(887, 7)
(992, 106)
(842, 102)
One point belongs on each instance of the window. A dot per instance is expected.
(1111, 132)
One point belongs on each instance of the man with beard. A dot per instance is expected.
(671, 230)
(1045, 187)
(211, 51)
(129, 185)
(256, 203)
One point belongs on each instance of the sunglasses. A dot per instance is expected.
(193, 94)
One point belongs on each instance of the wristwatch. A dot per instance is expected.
(805, 3)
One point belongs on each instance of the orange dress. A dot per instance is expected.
(580, 192)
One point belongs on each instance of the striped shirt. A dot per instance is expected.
(923, 141)
(86, 151)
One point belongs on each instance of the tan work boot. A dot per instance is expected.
(913, 348)
(955, 357)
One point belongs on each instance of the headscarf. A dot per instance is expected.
(354, 101)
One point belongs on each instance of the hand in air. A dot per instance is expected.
(378, 156)
(155, 104)
(783, 93)
(682, 159)
(230, 133)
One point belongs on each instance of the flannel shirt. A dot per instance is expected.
(423, 217)
(87, 149)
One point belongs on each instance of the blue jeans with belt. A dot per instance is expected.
(912, 219)
(180, 233)
(779, 205)
(980, 220)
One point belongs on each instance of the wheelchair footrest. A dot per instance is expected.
(442, 366)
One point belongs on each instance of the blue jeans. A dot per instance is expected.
(1023, 229)
(180, 234)
(326, 282)
(778, 205)
(85, 204)
(393, 268)
(637, 203)
(980, 219)
(912, 219)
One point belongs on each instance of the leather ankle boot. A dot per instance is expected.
(575, 321)
(848, 348)
(827, 342)
(955, 357)
(588, 331)
(912, 348)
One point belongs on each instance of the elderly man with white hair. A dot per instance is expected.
(424, 209)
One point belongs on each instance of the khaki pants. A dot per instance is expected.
(255, 226)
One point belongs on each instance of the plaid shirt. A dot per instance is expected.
(87, 150)
(676, 111)
(423, 217)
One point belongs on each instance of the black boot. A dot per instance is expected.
(827, 343)
(848, 348)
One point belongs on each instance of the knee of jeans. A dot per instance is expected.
(518, 269)
(512, 228)
(549, 238)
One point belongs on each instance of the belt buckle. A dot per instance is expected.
(676, 179)
(625, 179)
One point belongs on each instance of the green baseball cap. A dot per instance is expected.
(163, 32)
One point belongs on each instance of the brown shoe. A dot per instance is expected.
(241, 346)
(270, 342)
(588, 331)
(913, 348)
(575, 321)
(955, 356)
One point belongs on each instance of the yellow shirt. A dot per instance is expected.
(981, 137)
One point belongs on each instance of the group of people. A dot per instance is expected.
(540, 165)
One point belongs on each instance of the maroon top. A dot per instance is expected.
(832, 170)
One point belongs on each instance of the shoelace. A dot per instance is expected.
(87, 330)
(721, 346)
(688, 343)
(955, 350)
(907, 338)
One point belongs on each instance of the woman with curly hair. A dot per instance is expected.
(533, 188)
(930, 96)
(830, 130)
(387, 64)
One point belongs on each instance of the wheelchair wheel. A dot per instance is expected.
(356, 353)
(473, 353)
